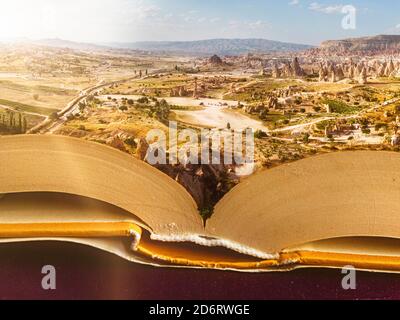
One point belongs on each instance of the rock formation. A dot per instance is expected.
(363, 78)
(206, 183)
(377, 45)
(381, 70)
(332, 73)
(178, 92)
(296, 68)
(142, 147)
(339, 73)
(195, 91)
(323, 74)
(287, 71)
(389, 71)
(275, 71)
(273, 103)
(290, 70)
(216, 60)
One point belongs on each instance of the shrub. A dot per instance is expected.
(143, 100)
(298, 100)
(366, 130)
(54, 116)
(306, 138)
(380, 126)
(259, 134)
(317, 109)
(131, 142)
(340, 107)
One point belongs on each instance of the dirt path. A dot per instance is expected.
(219, 117)
(215, 113)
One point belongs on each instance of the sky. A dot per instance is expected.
(105, 21)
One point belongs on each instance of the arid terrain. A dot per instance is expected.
(299, 104)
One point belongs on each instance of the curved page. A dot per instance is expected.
(66, 165)
(334, 195)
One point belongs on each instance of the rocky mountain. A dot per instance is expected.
(382, 44)
(215, 46)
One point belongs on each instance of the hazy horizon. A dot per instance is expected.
(16, 40)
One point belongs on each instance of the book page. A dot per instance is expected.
(335, 195)
(65, 165)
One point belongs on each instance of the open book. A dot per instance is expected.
(331, 210)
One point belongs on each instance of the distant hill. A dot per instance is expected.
(59, 43)
(202, 47)
(215, 46)
(366, 45)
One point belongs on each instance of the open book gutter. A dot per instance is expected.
(332, 210)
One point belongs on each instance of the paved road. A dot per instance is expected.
(309, 124)
(49, 126)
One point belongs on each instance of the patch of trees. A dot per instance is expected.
(143, 100)
(337, 106)
(160, 110)
(259, 134)
(13, 122)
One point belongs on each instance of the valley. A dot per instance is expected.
(298, 103)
